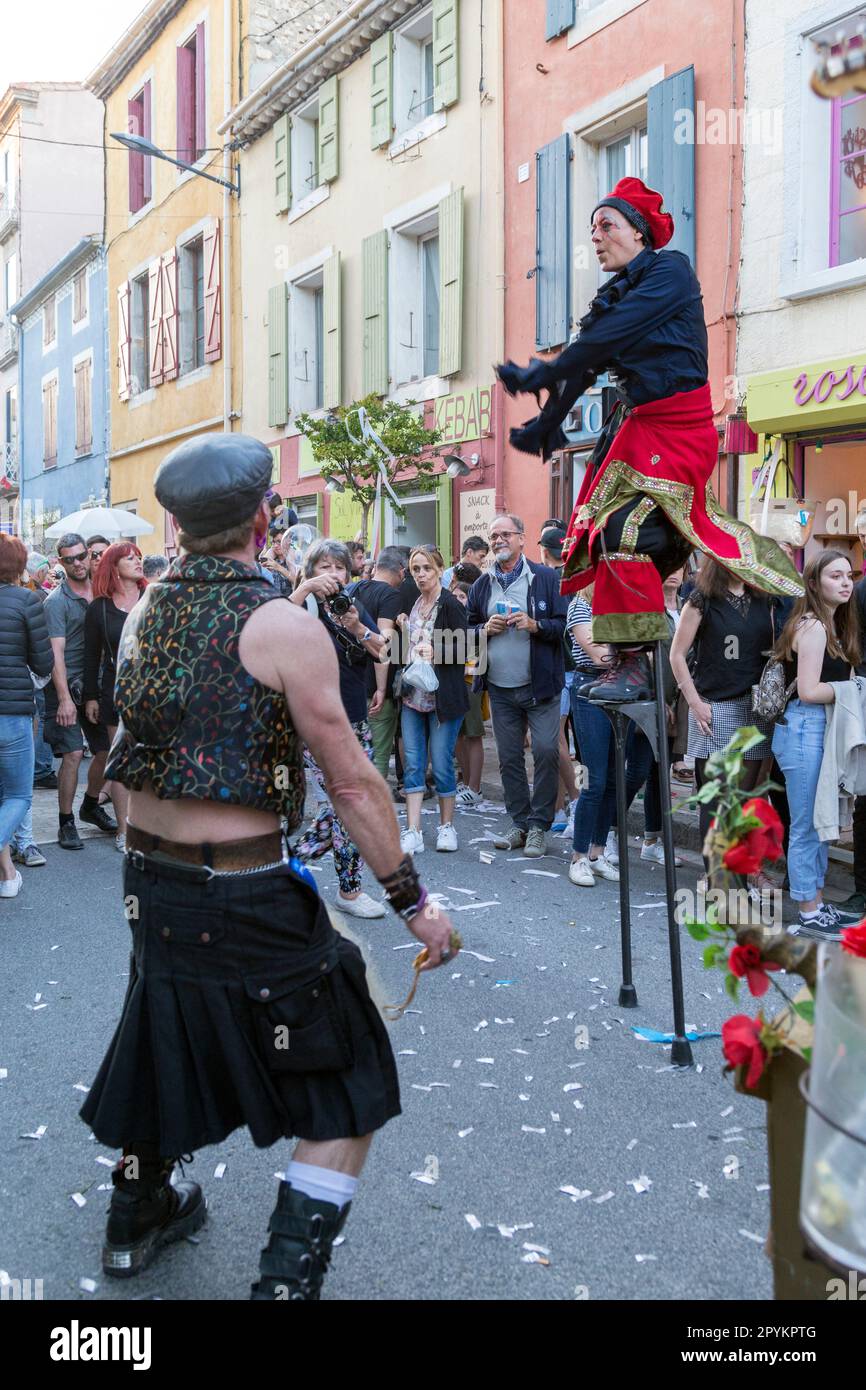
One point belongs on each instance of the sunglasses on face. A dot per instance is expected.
(97, 554)
(74, 559)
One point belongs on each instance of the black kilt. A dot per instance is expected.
(244, 1007)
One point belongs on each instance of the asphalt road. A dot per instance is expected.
(488, 1067)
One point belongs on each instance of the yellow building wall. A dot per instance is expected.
(467, 153)
(180, 201)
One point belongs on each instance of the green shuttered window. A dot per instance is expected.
(671, 163)
(446, 73)
(278, 357)
(375, 271)
(451, 274)
(333, 375)
(329, 130)
(381, 90)
(553, 244)
(283, 163)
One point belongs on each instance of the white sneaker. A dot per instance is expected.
(611, 848)
(10, 887)
(120, 843)
(362, 906)
(412, 841)
(603, 867)
(580, 873)
(467, 798)
(446, 838)
(655, 853)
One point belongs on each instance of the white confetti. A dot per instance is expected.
(725, 1113)
(417, 1087)
(407, 947)
(34, 1008)
(458, 1062)
(425, 1177)
(750, 1235)
(3, 1073)
(703, 1190)
(521, 1051)
(79, 1086)
(605, 1197)
(762, 1187)
(487, 1061)
(542, 873)
(630, 1145)
(462, 1133)
(220, 1170)
(407, 1052)
(536, 1249)
(686, 1124)
(479, 1026)
(548, 1021)
(488, 960)
(106, 1162)
(641, 1184)
(474, 1223)
(78, 1199)
(578, 1104)
(573, 1086)
(577, 1194)
(533, 1258)
(642, 1258)
(88, 1285)
(531, 1129)
(56, 948)
(523, 1096)
(503, 1020)
(554, 1117)
(339, 1240)
(489, 1085)
(37, 1133)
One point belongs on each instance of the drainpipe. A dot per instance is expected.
(499, 446)
(227, 224)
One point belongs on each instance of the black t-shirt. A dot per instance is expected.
(409, 595)
(354, 662)
(732, 643)
(381, 600)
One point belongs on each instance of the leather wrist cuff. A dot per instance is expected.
(403, 887)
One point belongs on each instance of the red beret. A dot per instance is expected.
(644, 209)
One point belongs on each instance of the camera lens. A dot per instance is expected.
(339, 603)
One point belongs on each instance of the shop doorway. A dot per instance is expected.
(415, 526)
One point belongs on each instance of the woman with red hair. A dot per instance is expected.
(118, 583)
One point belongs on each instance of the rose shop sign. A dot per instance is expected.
(816, 394)
(465, 416)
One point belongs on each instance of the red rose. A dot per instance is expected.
(747, 961)
(854, 940)
(765, 842)
(741, 1044)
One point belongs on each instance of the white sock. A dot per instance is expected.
(322, 1184)
(816, 912)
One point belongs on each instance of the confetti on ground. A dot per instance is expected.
(34, 1008)
(521, 1051)
(407, 947)
(750, 1235)
(479, 1026)
(3, 1073)
(471, 907)
(536, 1249)
(703, 1190)
(507, 1232)
(88, 1285)
(486, 960)
(578, 1104)
(488, 1061)
(489, 1085)
(762, 1187)
(462, 1133)
(503, 1020)
(686, 1124)
(533, 1258)
(576, 1194)
(474, 1223)
(79, 1086)
(641, 1259)
(573, 1086)
(542, 873)
(725, 1113)
(57, 947)
(407, 1052)
(106, 1162)
(605, 1197)
(554, 1116)
(523, 1096)
(458, 1062)
(37, 1133)
(416, 1086)
(630, 1145)
(641, 1184)
(78, 1199)
(425, 1177)
(219, 1171)
(531, 1129)
(485, 857)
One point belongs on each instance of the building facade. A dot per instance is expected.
(801, 362)
(597, 90)
(62, 388)
(372, 234)
(169, 234)
(51, 195)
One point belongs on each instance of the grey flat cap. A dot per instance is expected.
(214, 481)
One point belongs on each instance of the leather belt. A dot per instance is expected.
(255, 852)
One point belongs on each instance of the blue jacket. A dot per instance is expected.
(549, 608)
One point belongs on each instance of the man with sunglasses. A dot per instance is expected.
(66, 725)
(96, 548)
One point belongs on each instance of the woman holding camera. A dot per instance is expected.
(327, 570)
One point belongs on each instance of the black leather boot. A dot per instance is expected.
(628, 679)
(295, 1260)
(147, 1212)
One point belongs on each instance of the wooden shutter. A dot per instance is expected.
(671, 161)
(331, 313)
(446, 73)
(329, 130)
(212, 305)
(283, 163)
(185, 104)
(83, 422)
(79, 296)
(553, 251)
(147, 132)
(124, 340)
(49, 421)
(375, 271)
(136, 162)
(381, 89)
(170, 358)
(560, 16)
(154, 302)
(200, 93)
(451, 277)
(278, 357)
(443, 515)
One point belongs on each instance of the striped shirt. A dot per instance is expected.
(579, 611)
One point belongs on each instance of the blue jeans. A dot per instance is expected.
(419, 730)
(799, 748)
(596, 805)
(16, 772)
(43, 759)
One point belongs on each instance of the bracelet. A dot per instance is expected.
(403, 887)
(407, 913)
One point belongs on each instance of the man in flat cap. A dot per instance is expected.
(244, 1006)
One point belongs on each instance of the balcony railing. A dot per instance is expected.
(8, 343)
(8, 214)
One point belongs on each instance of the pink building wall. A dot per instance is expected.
(665, 34)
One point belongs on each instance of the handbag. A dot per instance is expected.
(781, 519)
(771, 695)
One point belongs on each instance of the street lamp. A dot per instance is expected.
(139, 145)
(457, 467)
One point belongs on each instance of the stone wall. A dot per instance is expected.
(277, 28)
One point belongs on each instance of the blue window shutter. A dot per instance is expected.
(553, 248)
(671, 153)
(560, 16)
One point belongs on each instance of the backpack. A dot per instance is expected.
(771, 695)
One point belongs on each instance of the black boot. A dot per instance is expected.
(295, 1260)
(628, 679)
(147, 1212)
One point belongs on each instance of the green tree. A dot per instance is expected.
(356, 464)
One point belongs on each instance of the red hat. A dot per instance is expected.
(644, 209)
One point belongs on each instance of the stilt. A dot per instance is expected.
(651, 717)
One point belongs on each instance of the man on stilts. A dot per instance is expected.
(245, 1007)
(646, 500)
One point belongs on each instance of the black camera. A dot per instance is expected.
(339, 603)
